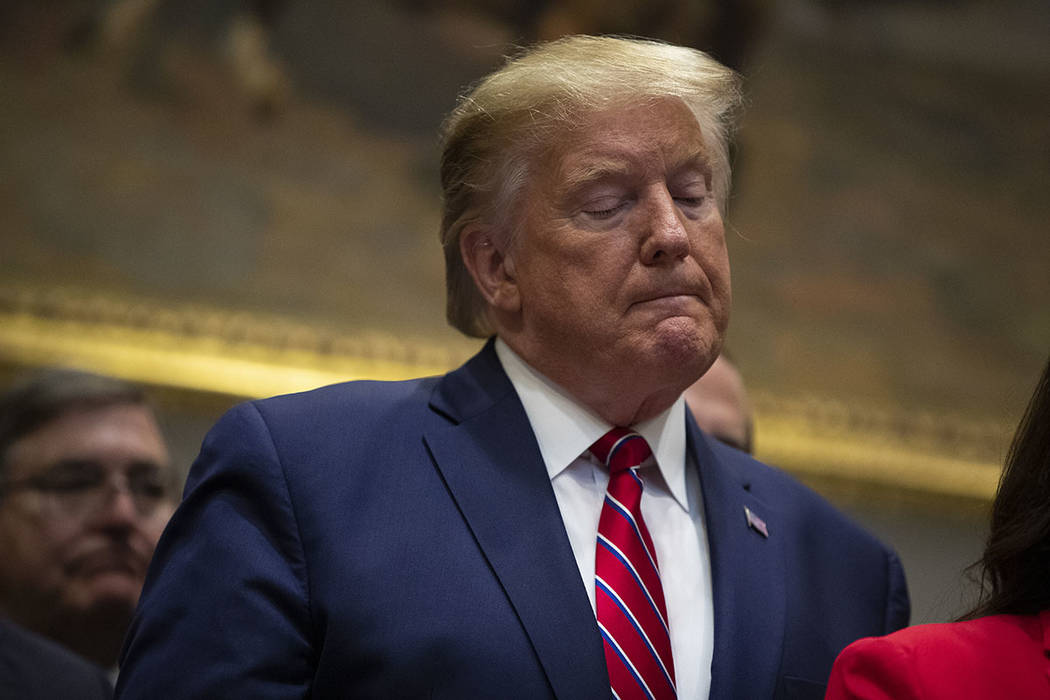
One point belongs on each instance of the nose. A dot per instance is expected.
(667, 239)
(118, 510)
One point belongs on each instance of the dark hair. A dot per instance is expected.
(1015, 569)
(42, 397)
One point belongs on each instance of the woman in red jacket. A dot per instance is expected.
(1001, 649)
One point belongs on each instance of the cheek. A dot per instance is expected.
(35, 551)
(714, 256)
(721, 279)
(561, 273)
(153, 527)
(59, 539)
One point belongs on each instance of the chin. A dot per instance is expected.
(112, 592)
(687, 342)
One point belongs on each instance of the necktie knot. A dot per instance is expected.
(621, 449)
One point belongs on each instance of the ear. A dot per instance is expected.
(491, 266)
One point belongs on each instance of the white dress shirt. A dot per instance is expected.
(671, 506)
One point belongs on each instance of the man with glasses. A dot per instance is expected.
(84, 495)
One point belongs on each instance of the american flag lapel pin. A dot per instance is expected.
(756, 523)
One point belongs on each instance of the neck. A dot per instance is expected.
(620, 398)
(626, 413)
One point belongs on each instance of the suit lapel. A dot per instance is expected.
(747, 571)
(492, 466)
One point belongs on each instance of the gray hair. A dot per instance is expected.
(500, 127)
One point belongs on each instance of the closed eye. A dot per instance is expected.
(604, 213)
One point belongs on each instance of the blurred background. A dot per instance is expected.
(226, 200)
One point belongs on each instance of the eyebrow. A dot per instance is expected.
(596, 171)
(698, 161)
(612, 168)
(82, 464)
(72, 464)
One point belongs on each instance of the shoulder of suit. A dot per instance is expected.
(333, 409)
(354, 397)
(766, 478)
(357, 390)
(796, 501)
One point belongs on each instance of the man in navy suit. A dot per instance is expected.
(437, 537)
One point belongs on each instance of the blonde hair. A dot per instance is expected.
(499, 129)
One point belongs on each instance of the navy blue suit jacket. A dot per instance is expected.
(35, 668)
(402, 540)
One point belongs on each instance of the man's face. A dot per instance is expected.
(621, 265)
(67, 549)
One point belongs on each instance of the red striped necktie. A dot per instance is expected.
(629, 600)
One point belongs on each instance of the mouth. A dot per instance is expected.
(108, 561)
(672, 298)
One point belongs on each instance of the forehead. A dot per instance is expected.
(109, 435)
(661, 135)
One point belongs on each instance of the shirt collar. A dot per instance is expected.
(565, 429)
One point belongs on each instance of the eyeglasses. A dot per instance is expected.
(77, 489)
